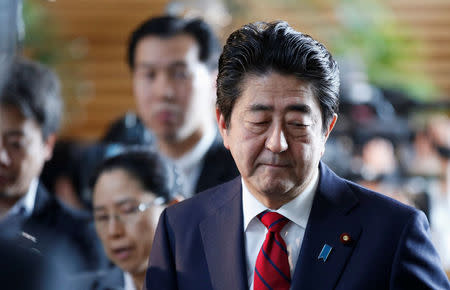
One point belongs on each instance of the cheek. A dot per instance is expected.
(141, 92)
(144, 233)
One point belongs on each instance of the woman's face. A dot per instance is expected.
(125, 231)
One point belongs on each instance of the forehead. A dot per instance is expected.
(276, 91)
(11, 118)
(116, 185)
(154, 50)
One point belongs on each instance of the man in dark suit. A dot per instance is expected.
(289, 222)
(173, 62)
(30, 113)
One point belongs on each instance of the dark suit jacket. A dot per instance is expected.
(66, 237)
(218, 164)
(199, 243)
(108, 279)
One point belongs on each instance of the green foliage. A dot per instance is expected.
(366, 30)
(40, 41)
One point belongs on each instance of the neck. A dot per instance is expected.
(138, 279)
(7, 202)
(177, 148)
(279, 201)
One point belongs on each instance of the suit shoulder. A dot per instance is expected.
(206, 202)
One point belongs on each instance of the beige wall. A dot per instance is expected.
(97, 31)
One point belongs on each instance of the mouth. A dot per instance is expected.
(166, 116)
(122, 253)
(3, 180)
(276, 165)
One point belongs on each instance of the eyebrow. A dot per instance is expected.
(99, 208)
(178, 63)
(14, 133)
(116, 203)
(302, 108)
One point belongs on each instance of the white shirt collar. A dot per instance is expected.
(297, 210)
(196, 154)
(190, 164)
(128, 282)
(27, 201)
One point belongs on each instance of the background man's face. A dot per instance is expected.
(275, 135)
(23, 151)
(173, 89)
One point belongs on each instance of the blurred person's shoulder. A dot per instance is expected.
(111, 278)
(195, 209)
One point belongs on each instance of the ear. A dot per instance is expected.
(222, 128)
(213, 78)
(49, 144)
(331, 126)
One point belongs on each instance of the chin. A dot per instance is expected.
(277, 188)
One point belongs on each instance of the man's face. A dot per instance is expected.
(275, 136)
(23, 151)
(173, 89)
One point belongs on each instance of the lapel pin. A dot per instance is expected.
(325, 252)
(345, 238)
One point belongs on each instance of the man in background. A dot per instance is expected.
(173, 62)
(30, 114)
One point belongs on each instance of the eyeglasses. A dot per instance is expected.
(127, 215)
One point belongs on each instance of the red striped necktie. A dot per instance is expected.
(272, 266)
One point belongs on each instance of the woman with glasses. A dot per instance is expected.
(130, 190)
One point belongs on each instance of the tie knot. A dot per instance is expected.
(273, 221)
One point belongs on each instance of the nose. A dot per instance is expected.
(276, 141)
(164, 87)
(4, 157)
(115, 226)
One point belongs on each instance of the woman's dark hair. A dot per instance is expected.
(259, 48)
(148, 167)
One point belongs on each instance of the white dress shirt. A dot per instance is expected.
(297, 211)
(191, 163)
(128, 282)
(25, 205)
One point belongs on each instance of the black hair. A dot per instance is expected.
(259, 48)
(168, 26)
(35, 91)
(148, 167)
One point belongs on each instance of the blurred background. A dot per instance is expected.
(393, 132)
(394, 44)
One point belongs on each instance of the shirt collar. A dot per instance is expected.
(128, 281)
(26, 203)
(297, 210)
(193, 157)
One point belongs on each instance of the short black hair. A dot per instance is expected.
(168, 26)
(261, 47)
(148, 167)
(35, 90)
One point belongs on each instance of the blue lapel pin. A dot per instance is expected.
(325, 252)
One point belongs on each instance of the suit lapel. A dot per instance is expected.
(212, 174)
(223, 241)
(112, 279)
(328, 220)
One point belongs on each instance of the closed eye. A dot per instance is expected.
(101, 218)
(297, 125)
(261, 123)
